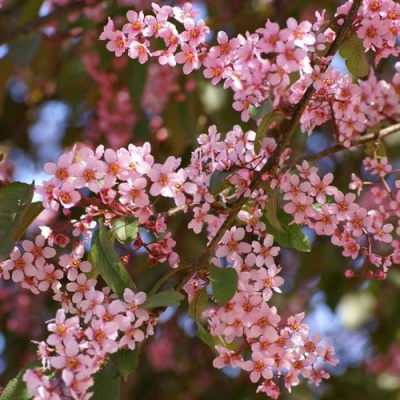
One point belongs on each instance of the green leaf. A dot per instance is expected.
(219, 181)
(270, 213)
(22, 49)
(108, 263)
(14, 198)
(16, 388)
(263, 127)
(126, 360)
(163, 299)
(29, 11)
(224, 282)
(204, 335)
(28, 215)
(292, 236)
(353, 51)
(198, 304)
(107, 383)
(137, 81)
(261, 111)
(124, 229)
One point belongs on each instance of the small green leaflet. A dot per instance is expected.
(16, 388)
(124, 229)
(163, 299)
(224, 282)
(353, 51)
(107, 383)
(108, 263)
(263, 127)
(198, 304)
(29, 11)
(28, 215)
(15, 202)
(22, 49)
(219, 181)
(204, 335)
(292, 236)
(270, 213)
(126, 360)
(261, 111)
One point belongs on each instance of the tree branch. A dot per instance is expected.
(375, 136)
(7, 36)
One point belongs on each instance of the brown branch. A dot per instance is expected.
(273, 161)
(7, 36)
(375, 136)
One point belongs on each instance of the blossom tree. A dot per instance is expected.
(152, 213)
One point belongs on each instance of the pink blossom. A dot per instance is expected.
(117, 42)
(135, 25)
(189, 57)
(232, 243)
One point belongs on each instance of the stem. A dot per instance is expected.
(37, 23)
(379, 135)
(165, 277)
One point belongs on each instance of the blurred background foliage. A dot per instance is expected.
(59, 86)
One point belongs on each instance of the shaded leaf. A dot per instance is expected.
(163, 299)
(270, 213)
(204, 335)
(224, 282)
(107, 383)
(124, 229)
(353, 51)
(108, 263)
(219, 181)
(261, 111)
(28, 215)
(6, 68)
(126, 360)
(13, 200)
(292, 236)
(198, 304)
(263, 127)
(29, 11)
(16, 388)
(22, 49)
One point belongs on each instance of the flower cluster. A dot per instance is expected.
(257, 66)
(351, 107)
(237, 174)
(221, 171)
(378, 25)
(315, 203)
(278, 349)
(78, 346)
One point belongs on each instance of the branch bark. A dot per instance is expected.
(7, 36)
(370, 137)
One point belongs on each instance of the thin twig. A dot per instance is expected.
(7, 36)
(375, 136)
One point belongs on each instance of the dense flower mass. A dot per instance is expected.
(258, 66)
(233, 188)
